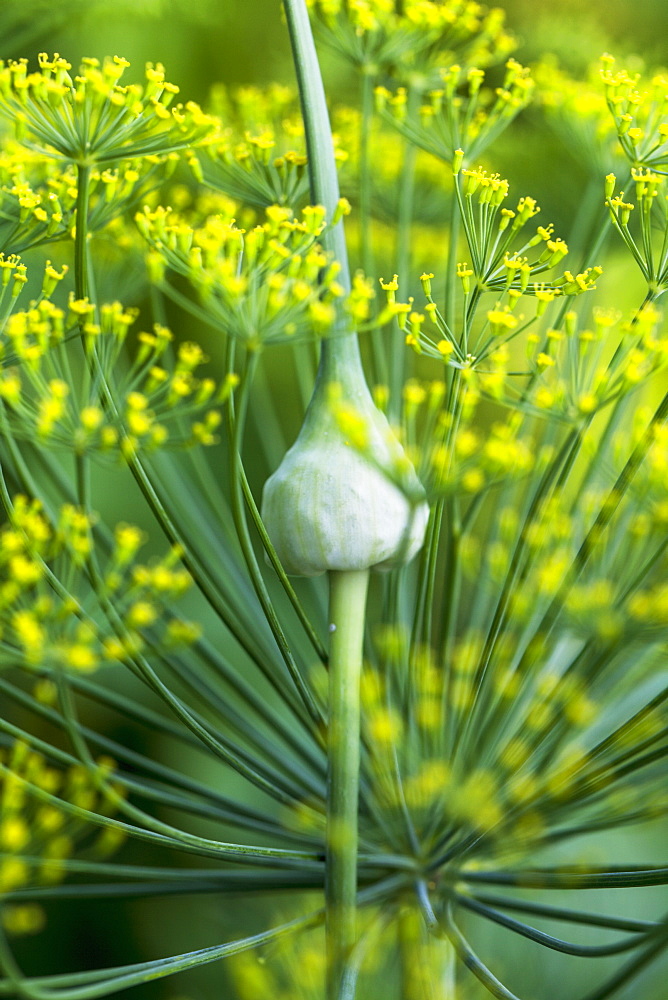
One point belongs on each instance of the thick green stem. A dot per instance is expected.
(340, 358)
(348, 592)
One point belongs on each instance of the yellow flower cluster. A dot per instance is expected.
(640, 113)
(258, 153)
(38, 195)
(498, 267)
(13, 278)
(377, 34)
(457, 458)
(44, 627)
(509, 798)
(449, 119)
(527, 708)
(36, 836)
(93, 118)
(650, 251)
(159, 387)
(583, 369)
(263, 285)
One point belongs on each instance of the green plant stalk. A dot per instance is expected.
(339, 362)
(348, 592)
(366, 254)
(406, 204)
(366, 124)
(81, 233)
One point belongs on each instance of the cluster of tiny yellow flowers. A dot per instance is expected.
(523, 791)
(139, 593)
(46, 624)
(578, 375)
(386, 153)
(639, 112)
(36, 836)
(38, 195)
(491, 230)
(13, 279)
(413, 39)
(448, 120)
(253, 107)
(650, 251)
(270, 283)
(159, 388)
(452, 454)
(297, 968)
(606, 607)
(258, 153)
(92, 117)
(498, 265)
(483, 349)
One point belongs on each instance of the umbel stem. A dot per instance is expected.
(347, 605)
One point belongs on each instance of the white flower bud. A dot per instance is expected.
(337, 504)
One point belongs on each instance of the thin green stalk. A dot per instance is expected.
(405, 207)
(366, 254)
(340, 362)
(81, 235)
(451, 266)
(366, 249)
(348, 592)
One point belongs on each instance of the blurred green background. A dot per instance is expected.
(200, 43)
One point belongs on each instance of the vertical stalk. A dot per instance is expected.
(366, 254)
(405, 209)
(340, 357)
(348, 592)
(339, 362)
(81, 236)
(366, 124)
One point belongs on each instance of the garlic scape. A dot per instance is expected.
(344, 499)
(331, 505)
